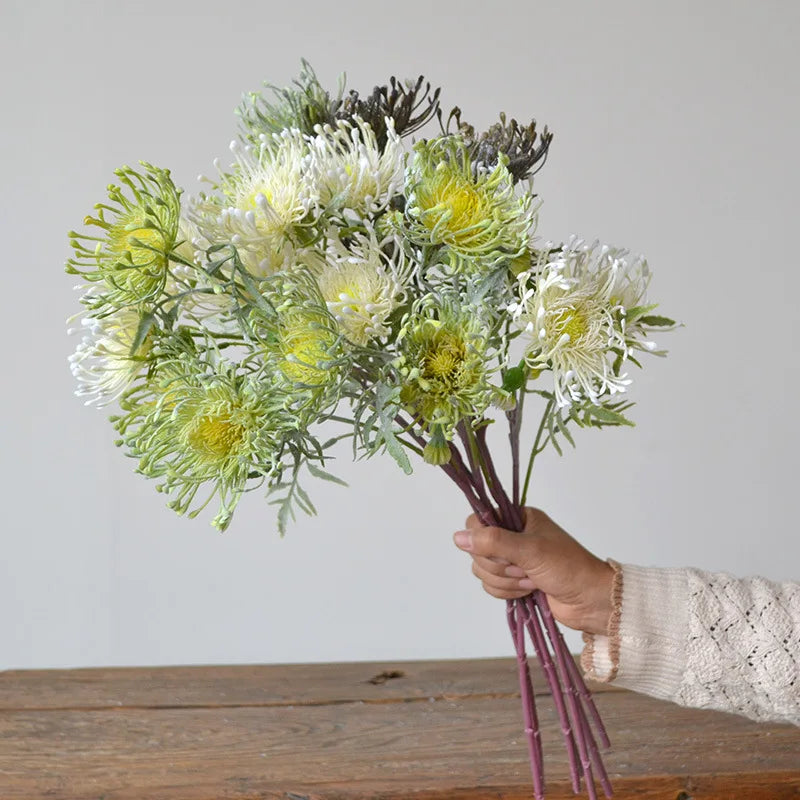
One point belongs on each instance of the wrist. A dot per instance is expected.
(599, 600)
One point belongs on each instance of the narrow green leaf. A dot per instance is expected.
(632, 314)
(656, 321)
(255, 294)
(553, 436)
(318, 472)
(145, 324)
(562, 426)
(607, 416)
(304, 501)
(397, 451)
(284, 513)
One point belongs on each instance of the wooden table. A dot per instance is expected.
(361, 731)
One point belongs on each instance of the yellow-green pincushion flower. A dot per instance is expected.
(307, 345)
(301, 341)
(205, 429)
(476, 213)
(139, 228)
(443, 366)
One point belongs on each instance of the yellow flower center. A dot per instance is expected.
(572, 322)
(449, 372)
(134, 268)
(129, 236)
(216, 438)
(453, 203)
(443, 359)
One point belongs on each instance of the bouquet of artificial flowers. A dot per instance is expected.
(334, 284)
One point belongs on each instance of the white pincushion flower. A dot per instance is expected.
(267, 203)
(102, 362)
(573, 310)
(349, 169)
(362, 286)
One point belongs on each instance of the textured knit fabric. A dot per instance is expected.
(703, 639)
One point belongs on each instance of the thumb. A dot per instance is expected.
(493, 542)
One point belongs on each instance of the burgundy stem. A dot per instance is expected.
(512, 516)
(586, 696)
(575, 685)
(532, 733)
(485, 514)
(474, 465)
(558, 646)
(546, 660)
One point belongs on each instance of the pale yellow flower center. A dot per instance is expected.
(573, 323)
(216, 437)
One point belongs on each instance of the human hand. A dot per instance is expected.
(543, 556)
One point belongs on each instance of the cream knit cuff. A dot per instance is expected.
(645, 649)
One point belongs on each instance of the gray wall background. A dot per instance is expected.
(676, 135)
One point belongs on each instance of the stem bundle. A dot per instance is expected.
(478, 480)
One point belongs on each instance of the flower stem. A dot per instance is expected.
(512, 516)
(516, 623)
(546, 660)
(534, 452)
(514, 417)
(467, 435)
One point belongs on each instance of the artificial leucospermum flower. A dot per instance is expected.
(443, 364)
(139, 225)
(265, 207)
(573, 314)
(207, 428)
(103, 363)
(301, 106)
(298, 338)
(362, 286)
(307, 344)
(351, 172)
(476, 213)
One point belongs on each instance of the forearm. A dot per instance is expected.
(703, 639)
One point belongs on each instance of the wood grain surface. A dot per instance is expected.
(362, 731)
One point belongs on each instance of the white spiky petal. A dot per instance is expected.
(573, 313)
(350, 170)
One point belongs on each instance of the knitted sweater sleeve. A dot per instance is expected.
(703, 639)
